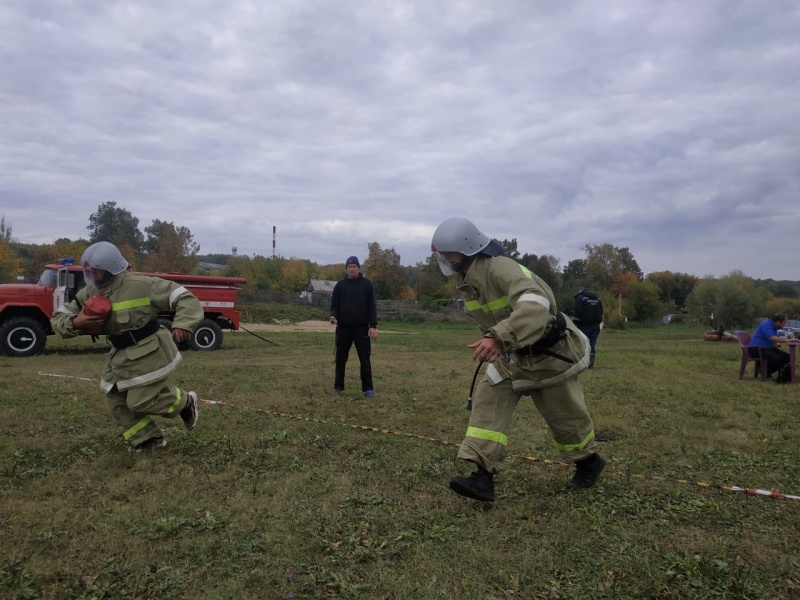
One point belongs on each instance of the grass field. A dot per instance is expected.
(288, 492)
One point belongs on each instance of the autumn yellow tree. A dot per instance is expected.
(386, 273)
(432, 284)
(605, 262)
(10, 263)
(58, 250)
(294, 275)
(788, 306)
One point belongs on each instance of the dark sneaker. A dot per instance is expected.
(478, 486)
(336, 391)
(586, 472)
(370, 394)
(190, 413)
(784, 376)
(149, 444)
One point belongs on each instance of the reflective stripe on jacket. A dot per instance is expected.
(135, 301)
(517, 308)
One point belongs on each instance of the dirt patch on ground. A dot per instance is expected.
(318, 326)
(323, 326)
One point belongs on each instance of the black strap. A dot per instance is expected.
(558, 331)
(134, 336)
(472, 387)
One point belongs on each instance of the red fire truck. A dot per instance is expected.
(25, 309)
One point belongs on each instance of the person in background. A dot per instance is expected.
(588, 316)
(143, 354)
(531, 348)
(766, 337)
(355, 314)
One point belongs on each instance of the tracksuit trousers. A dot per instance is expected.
(346, 336)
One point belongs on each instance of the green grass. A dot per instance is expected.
(288, 492)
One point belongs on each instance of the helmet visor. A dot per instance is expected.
(87, 273)
(89, 277)
(450, 262)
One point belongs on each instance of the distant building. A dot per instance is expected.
(208, 267)
(318, 292)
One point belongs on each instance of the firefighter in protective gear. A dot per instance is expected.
(142, 353)
(531, 349)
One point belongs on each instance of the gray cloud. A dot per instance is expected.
(668, 128)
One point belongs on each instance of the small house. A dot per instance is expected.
(318, 292)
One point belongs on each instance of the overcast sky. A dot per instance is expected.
(668, 127)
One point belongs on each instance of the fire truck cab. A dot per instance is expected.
(26, 309)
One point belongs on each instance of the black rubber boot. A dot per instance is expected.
(586, 472)
(478, 486)
(784, 375)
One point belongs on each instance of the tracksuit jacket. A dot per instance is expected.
(353, 301)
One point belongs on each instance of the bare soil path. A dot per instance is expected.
(318, 326)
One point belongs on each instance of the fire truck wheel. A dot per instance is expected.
(207, 336)
(22, 336)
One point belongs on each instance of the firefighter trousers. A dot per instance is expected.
(134, 408)
(562, 407)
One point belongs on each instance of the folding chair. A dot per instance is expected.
(761, 362)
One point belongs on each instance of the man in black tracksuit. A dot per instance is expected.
(588, 315)
(354, 312)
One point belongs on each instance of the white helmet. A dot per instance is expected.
(105, 256)
(460, 235)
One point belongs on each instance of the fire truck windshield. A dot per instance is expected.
(48, 278)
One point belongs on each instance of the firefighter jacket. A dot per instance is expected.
(135, 302)
(514, 306)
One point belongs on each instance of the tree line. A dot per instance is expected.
(734, 300)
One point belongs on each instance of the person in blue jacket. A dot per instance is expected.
(355, 314)
(766, 337)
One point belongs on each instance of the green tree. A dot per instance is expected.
(674, 288)
(382, 291)
(783, 289)
(575, 270)
(115, 225)
(628, 264)
(729, 302)
(545, 266)
(642, 302)
(169, 248)
(511, 250)
(386, 273)
(431, 283)
(5, 231)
